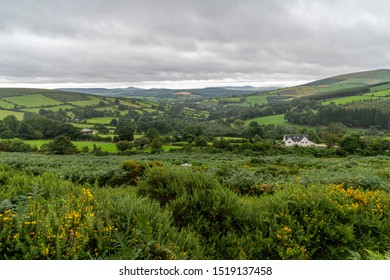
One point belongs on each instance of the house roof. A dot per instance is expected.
(296, 137)
(86, 130)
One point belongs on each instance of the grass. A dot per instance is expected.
(54, 108)
(349, 99)
(6, 105)
(101, 120)
(34, 100)
(92, 101)
(382, 93)
(18, 115)
(82, 125)
(130, 104)
(105, 146)
(274, 119)
(257, 99)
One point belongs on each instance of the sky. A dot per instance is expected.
(187, 44)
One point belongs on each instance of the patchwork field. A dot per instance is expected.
(18, 115)
(34, 100)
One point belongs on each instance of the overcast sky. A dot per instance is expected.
(180, 43)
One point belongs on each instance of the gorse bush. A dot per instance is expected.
(242, 181)
(166, 185)
(150, 207)
(47, 226)
(56, 219)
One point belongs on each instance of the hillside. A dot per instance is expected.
(177, 109)
(19, 101)
(163, 93)
(339, 83)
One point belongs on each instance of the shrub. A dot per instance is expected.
(165, 185)
(134, 170)
(61, 145)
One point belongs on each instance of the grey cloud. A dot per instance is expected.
(136, 41)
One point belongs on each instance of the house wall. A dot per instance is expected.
(303, 143)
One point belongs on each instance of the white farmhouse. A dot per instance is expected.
(87, 131)
(301, 140)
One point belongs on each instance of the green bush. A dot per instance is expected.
(166, 185)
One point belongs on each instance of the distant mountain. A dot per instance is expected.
(170, 93)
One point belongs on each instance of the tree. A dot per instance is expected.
(25, 131)
(12, 123)
(123, 145)
(61, 145)
(152, 134)
(238, 123)
(125, 129)
(353, 144)
(201, 141)
(101, 128)
(113, 122)
(141, 142)
(7, 134)
(329, 138)
(156, 146)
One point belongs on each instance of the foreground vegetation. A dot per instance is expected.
(157, 207)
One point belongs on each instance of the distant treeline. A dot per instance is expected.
(339, 93)
(362, 117)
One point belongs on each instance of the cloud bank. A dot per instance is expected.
(177, 41)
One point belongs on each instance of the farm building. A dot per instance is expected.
(301, 140)
(87, 131)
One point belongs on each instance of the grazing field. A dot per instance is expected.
(18, 115)
(274, 119)
(34, 100)
(6, 105)
(102, 120)
(382, 93)
(90, 101)
(106, 147)
(257, 99)
(349, 99)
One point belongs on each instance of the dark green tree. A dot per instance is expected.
(61, 145)
(26, 131)
(125, 129)
(123, 145)
(152, 134)
(201, 141)
(12, 123)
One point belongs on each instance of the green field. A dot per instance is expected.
(52, 108)
(130, 104)
(257, 99)
(382, 93)
(275, 119)
(106, 147)
(34, 100)
(91, 101)
(6, 105)
(18, 115)
(82, 125)
(349, 99)
(102, 120)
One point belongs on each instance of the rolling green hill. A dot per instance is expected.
(339, 83)
(362, 90)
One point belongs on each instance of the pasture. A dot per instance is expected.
(274, 119)
(18, 115)
(34, 100)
